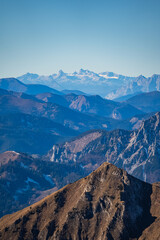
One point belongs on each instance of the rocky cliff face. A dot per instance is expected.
(108, 204)
(136, 151)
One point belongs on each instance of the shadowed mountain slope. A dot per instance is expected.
(13, 84)
(147, 102)
(77, 92)
(25, 179)
(126, 97)
(108, 204)
(31, 134)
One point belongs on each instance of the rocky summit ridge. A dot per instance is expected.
(107, 204)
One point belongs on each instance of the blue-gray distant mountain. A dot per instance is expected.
(84, 80)
(32, 124)
(14, 84)
(139, 84)
(126, 97)
(147, 102)
(13, 102)
(30, 134)
(105, 84)
(77, 92)
(94, 105)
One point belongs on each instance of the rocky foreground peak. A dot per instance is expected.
(108, 204)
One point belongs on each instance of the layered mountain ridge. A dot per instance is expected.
(94, 105)
(84, 131)
(136, 151)
(57, 118)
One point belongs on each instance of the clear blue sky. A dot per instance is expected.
(43, 36)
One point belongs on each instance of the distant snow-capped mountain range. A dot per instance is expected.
(107, 84)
